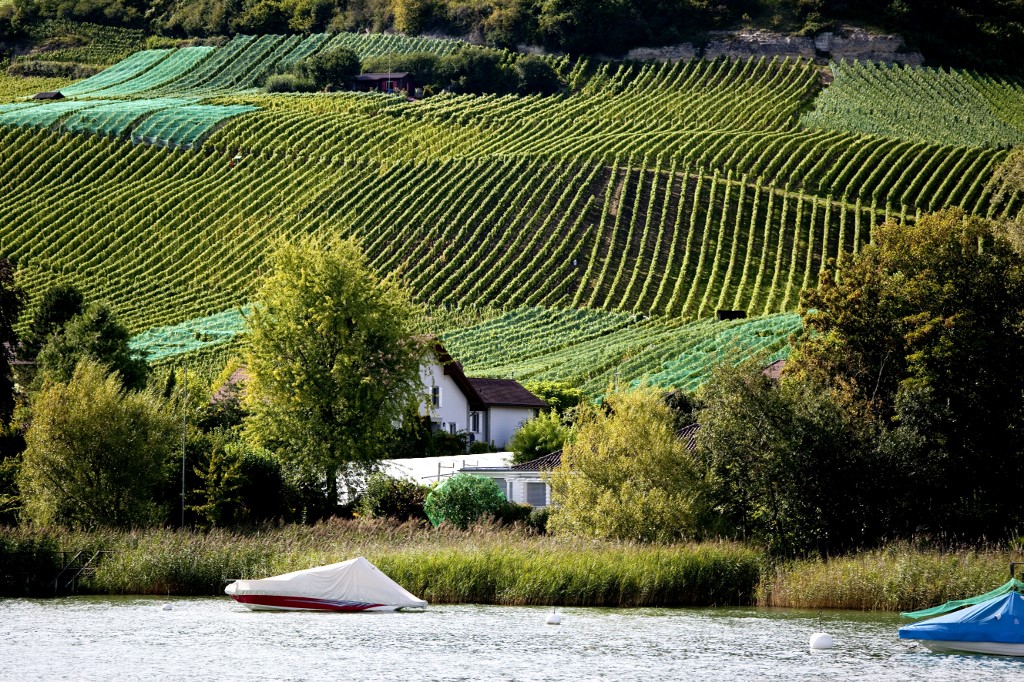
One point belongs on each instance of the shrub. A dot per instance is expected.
(463, 499)
(288, 82)
(539, 520)
(538, 437)
(386, 496)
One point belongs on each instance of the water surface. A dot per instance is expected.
(102, 638)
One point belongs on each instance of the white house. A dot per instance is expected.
(490, 410)
(523, 483)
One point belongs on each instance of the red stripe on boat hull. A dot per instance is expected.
(284, 603)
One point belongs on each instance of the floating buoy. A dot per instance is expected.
(167, 607)
(821, 640)
(554, 618)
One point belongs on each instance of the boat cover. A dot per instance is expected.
(1000, 619)
(1012, 585)
(355, 582)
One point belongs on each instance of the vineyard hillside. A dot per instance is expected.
(661, 190)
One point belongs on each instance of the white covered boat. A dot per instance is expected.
(353, 585)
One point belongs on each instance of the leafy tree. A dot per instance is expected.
(332, 359)
(538, 437)
(12, 299)
(625, 474)
(55, 308)
(536, 76)
(561, 396)
(921, 335)
(784, 465)
(337, 68)
(390, 497)
(463, 499)
(95, 452)
(95, 334)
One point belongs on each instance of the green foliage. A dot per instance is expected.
(393, 498)
(332, 360)
(288, 82)
(95, 452)
(538, 437)
(625, 474)
(55, 308)
(919, 336)
(335, 68)
(561, 396)
(97, 335)
(12, 300)
(785, 466)
(240, 484)
(463, 499)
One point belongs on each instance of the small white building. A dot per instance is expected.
(524, 483)
(490, 410)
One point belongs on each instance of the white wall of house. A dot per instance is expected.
(504, 421)
(452, 410)
(523, 487)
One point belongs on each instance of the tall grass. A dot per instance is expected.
(899, 577)
(484, 564)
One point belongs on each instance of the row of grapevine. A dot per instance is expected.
(919, 103)
(626, 349)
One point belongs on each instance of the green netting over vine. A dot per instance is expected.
(162, 342)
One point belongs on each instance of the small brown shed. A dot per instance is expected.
(385, 82)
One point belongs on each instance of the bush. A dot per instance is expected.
(337, 68)
(514, 512)
(539, 520)
(479, 447)
(538, 437)
(396, 498)
(289, 82)
(463, 499)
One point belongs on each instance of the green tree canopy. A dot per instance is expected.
(921, 334)
(538, 437)
(784, 465)
(96, 334)
(625, 474)
(55, 308)
(12, 299)
(332, 359)
(95, 452)
(336, 68)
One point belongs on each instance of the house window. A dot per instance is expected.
(452, 428)
(537, 494)
(435, 396)
(474, 422)
(501, 486)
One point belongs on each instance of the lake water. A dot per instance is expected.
(84, 638)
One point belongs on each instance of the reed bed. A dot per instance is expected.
(485, 564)
(899, 577)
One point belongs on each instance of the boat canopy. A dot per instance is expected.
(1013, 585)
(1000, 619)
(355, 582)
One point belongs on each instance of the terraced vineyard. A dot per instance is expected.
(668, 191)
(925, 104)
(588, 348)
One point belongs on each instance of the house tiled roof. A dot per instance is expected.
(774, 370)
(545, 463)
(505, 393)
(231, 387)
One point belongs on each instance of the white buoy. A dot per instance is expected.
(821, 640)
(554, 618)
(167, 607)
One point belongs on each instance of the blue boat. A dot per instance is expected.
(991, 623)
